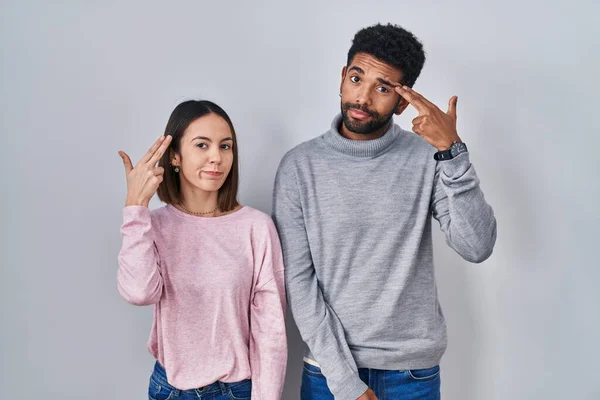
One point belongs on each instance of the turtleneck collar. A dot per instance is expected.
(359, 148)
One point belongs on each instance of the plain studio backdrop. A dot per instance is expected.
(81, 80)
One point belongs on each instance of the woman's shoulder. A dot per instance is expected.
(256, 216)
(164, 217)
(160, 212)
(258, 220)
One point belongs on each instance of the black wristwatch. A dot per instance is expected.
(454, 150)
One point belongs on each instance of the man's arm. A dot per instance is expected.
(459, 206)
(318, 324)
(457, 202)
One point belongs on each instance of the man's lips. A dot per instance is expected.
(358, 114)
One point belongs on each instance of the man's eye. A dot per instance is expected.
(355, 79)
(383, 89)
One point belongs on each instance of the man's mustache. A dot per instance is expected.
(373, 114)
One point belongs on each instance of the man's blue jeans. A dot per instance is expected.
(422, 384)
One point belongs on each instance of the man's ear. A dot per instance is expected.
(401, 106)
(344, 72)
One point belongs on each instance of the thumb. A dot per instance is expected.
(126, 162)
(452, 106)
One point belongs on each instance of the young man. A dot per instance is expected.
(353, 208)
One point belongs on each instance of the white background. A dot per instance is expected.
(81, 80)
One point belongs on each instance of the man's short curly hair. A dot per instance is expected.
(393, 45)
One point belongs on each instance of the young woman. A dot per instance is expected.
(212, 268)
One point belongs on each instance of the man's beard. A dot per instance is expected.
(376, 122)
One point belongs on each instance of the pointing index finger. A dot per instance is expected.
(152, 150)
(414, 98)
(161, 150)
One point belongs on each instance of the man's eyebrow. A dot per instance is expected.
(380, 80)
(357, 69)
(385, 82)
(393, 84)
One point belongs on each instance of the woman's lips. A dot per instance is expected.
(213, 174)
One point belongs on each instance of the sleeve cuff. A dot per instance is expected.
(135, 212)
(456, 167)
(351, 390)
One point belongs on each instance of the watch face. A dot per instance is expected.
(457, 148)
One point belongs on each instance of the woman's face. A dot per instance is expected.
(205, 154)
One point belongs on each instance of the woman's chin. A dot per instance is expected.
(210, 186)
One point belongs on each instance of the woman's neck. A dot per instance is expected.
(199, 202)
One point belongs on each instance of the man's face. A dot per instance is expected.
(368, 97)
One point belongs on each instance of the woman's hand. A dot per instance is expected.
(143, 179)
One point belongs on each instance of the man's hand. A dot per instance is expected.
(368, 395)
(432, 124)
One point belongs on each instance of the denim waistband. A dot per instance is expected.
(160, 376)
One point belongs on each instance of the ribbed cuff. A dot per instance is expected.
(133, 212)
(350, 388)
(457, 166)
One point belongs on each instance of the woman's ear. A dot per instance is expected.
(175, 159)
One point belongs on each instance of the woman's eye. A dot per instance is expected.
(226, 146)
(355, 79)
(202, 145)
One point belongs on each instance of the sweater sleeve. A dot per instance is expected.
(318, 324)
(459, 206)
(138, 278)
(268, 341)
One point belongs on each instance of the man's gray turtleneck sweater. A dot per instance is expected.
(354, 219)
